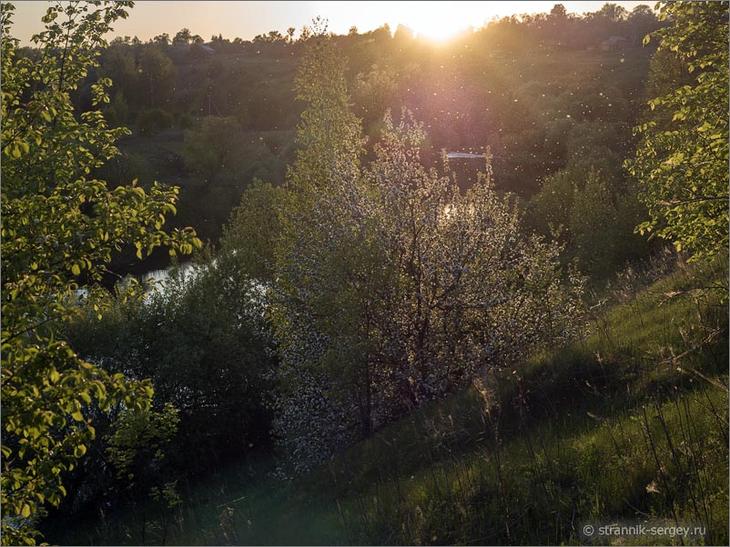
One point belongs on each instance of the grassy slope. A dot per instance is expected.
(609, 428)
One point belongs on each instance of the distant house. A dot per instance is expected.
(613, 43)
(465, 170)
(196, 48)
(464, 155)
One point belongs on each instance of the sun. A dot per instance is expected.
(438, 21)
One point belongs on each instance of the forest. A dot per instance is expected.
(366, 288)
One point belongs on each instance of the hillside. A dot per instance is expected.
(628, 424)
(400, 291)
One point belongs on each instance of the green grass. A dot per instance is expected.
(629, 424)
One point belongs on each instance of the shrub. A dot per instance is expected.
(153, 120)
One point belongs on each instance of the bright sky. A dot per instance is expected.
(436, 20)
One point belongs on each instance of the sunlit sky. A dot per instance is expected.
(436, 20)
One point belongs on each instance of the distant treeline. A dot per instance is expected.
(546, 93)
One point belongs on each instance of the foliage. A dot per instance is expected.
(198, 336)
(681, 162)
(184, 36)
(60, 229)
(328, 135)
(360, 299)
(251, 235)
(153, 120)
(136, 446)
(244, 159)
(319, 245)
(374, 91)
(370, 286)
(471, 291)
(556, 441)
(214, 149)
(118, 63)
(407, 262)
(519, 84)
(601, 224)
(593, 211)
(117, 113)
(156, 75)
(566, 437)
(223, 160)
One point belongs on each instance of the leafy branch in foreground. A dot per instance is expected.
(60, 229)
(681, 161)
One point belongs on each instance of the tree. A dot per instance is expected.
(153, 120)
(156, 76)
(329, 140)
(198, 335)
(681, 163)
(374, 91)
(321, 244)
(469, 292)
(594, 228)
(403, 34)
(401, 290)
(612, 12)
(590, 206)
(213, 150)
(641, 21)
(250, 238)
(387, 287)
(224, 161)
(118, 64)
(60, 229)
(558, 12)
(183, 36)
(162, 39)
(118, 110)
